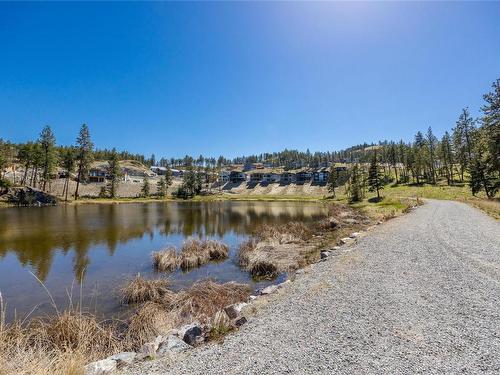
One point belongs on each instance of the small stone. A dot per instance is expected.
(124, 358)
(351, 221)
(269, 289)
(354, 235)
(173, 344)
(335, 248)
(333, 223)
(102, 367)
(233, 311)
(240, 321)
(346, 240)
(194, 336)
(325, 254)
(252, 297)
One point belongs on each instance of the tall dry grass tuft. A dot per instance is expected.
(205, 298)
(150, 320)
(276, 249)
(142, 290)
(216, 249)
(165, 260)
(195, 253)
(293, 232)
(246, 247)
(60, 344)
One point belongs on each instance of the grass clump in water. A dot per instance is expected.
(142, 290)
(195, 253)
(165, 260)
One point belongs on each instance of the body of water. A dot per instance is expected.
(102, 246)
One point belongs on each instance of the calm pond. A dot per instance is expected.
(102, 246)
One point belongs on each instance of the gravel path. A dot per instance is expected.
(417, 295)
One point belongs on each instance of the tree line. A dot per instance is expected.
(469, 153)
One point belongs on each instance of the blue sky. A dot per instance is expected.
(242, 78)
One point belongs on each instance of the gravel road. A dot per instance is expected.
(417, 295)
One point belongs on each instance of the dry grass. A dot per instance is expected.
(60, 344)
(195, 253)
(276, 249)
(150, 320)
(165, 260)
(64, 343)
(293, 232)
(142, 290)
(216, 249)
(246, 247)
(204, 298)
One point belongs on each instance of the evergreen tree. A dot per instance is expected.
(356, 184)
(161, 187)
(490, 130)
(84, 157)
(25, 157)
(446, 157)
(462, 140)
(375, 176)
(332, 179)
(68, 163)
(393, 158)
(145, 187)
(114, 173)
(47, 143)
(431, 145)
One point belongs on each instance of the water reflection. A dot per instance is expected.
(108, 241)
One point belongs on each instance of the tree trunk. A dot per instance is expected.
(78, 180)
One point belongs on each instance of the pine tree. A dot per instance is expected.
(490, 130)
(47, 143)
(68, 163)
(375, 176)
(393, 158)
(462, 140)
(446, 157)
(114, 173)
(332, 180)
(84, 157)
(25, 157)
(161, 187)
(145, 187)
(356, 184)
(431, 145)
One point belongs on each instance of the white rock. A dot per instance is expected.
(354, 235)
(269, 289)
(325, 254)
(149, 349)
(335, 248)
(252, 297)
(173, 344)
(102, 367)
(346, 240)
(284, 283)
(124, 358)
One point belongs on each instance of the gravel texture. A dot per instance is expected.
(417, 295)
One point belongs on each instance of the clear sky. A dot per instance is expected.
(242, 78)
